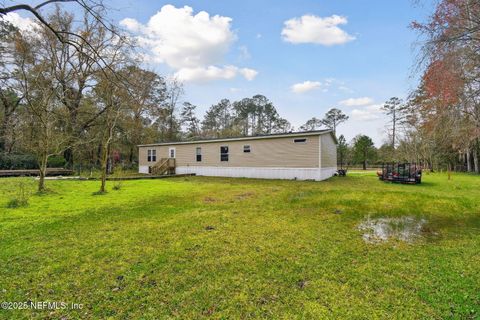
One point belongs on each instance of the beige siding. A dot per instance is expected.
(279, 152)
(328, 151)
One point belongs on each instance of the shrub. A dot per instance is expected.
(117, 185)
(21, 197)
(56, 162)
(16, 203)
(17, 161)
(27, 161)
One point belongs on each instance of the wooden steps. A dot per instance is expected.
(166, 166)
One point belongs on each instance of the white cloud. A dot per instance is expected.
(131, 24)
(356, 102)
(210, 73)
(306, 86)
(244, 53)
(192, 44)
(179, 38)
(249, 74)
(23, 24)
(368, 113)
(313, 29)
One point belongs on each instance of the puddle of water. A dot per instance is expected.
(407, 229)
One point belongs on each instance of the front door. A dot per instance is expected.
(171, 152)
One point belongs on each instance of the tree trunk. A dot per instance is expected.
(42, 172)
(6, 135)
(467, 159)
(103, 169)
(475, 160)
(99, 155)
(365, 160)
(106, 153)
(3, 133)
(131, 156)
(9, 107)
(68, 155)
(394, 130)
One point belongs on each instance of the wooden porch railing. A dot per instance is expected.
(164, 166)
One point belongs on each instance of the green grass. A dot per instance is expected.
(195, 247)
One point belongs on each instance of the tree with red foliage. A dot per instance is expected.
(451, 75)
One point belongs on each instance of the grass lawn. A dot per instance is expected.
(219, 248)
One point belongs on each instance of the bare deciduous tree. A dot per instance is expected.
(394, 108)
(43, 136)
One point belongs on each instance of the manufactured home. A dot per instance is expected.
(308, 155)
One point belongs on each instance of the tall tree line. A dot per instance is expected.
(248, 116)
(58, 100)
(439, 124)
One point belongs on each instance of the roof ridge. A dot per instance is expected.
(260, 136)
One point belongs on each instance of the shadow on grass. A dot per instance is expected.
(17, 203)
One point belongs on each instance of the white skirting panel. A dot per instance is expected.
(143, 169)
(260, 172)
(327, 173)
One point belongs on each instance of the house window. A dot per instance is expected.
(246, 148)
(224, 153)
(199, 154)
(171, 152)
(151, 155)
(300, 140)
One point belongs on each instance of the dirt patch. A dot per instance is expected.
(301, 284)
(210, 200)
(407, 229)
(245, 195)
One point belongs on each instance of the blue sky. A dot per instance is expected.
(355, 63)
